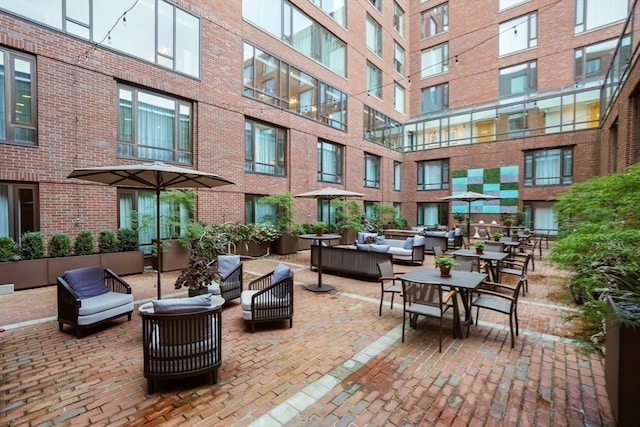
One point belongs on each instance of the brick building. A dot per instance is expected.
(406, 101)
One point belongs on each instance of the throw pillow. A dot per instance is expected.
(370, 240)
(408, 243)
(280, 273)
(418, 240)
(226, 264)
(380, 248)
(380, 240)
(362, 247)
(182, 305)
(87, 282)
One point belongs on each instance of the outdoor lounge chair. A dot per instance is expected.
(269, 298)
(229, 285)
(90, 296)
(181, 338)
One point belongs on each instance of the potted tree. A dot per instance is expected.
(599, 243)
(27, 268)
(119, 251)
(349, 220)
(319, 227)
(497, 236)
(479, 247)
(445, 264)
(284, 221)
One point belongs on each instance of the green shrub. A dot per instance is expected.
(59, 245)
(32, 245)
(8, 249)
(127, 240)
(107, 242)
(84, 243)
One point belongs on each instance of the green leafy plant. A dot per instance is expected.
(384, 213)
(127, 240)
(479, 245)
(285, 212)
(59, 245)
(444, 261)
(32, 245)
(107, 242)
(497, 236)
(83, 244)
(8, 249)
(348, 214)
(319, 226)
(599, 244)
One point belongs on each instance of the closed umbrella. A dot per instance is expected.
(469, 197)
(330, 193)
(158, 176)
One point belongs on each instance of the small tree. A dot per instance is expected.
(32, 245)
(348, 214)
(285, 207)
(8, 248)
(59, 245)
(107, 242)
(84, 243)
(127, 240)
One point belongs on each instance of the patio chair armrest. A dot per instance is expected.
(115, 282)
(495, 294)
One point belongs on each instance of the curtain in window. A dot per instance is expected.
(429, 214)
(264, 149)
(126, 208)
(547, 167)
(4, 210)
(155, 126)
(263, 210)
(432, 176)
(147, 219)
(544, 219)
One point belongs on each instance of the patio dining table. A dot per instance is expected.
(464, 282)
(493, 260)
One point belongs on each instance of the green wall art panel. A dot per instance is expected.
(501, 182)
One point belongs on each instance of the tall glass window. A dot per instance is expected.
(434, 98)
(374, 80)
(518, 34)
(291, 25)
(153, 126)
(397, 176)
(17, 97)
(371, 170)
(334, 8)
(549, 167)
(264, 148)
(381, 128)
(398, 57)
(19, 209)
(330, 157)
(398, 19)
(398, 97)
(591, 14)
(256, 212)
(433, 175)
(374, 35)
(504, 4)
(431, 214)
(434, 60)
(518, 79)
(593, 61)
(434, 21)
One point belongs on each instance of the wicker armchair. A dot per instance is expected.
(90, 296)
(182, 344)
(269, 298)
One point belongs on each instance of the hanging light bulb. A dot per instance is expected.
(124, 18)
(109, 38)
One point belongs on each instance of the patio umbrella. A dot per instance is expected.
(158, 176)
(469, 197)
(330, 193)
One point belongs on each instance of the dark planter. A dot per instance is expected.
(25, 274)
(57, 266)
(622, 371)
(479, 251)
(444, 271)
(252, 249)
(174, 256)
(349, 236)
(123, 263)
(287, 243)
(196, 292)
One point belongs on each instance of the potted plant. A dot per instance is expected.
(445, 264)
(120, 252)
(479, 247)
(349, 220)
(59, 245)
(204, 244)
(497, 236)
(83, 244)
(599, 243)
(319, 227)
(284, 221)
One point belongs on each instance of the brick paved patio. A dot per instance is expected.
(339, 365)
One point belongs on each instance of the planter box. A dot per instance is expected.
(287, 243)
(252, 249)
(174, 256)
(622, 371)
(57, 266)
(349, 236)
(124, 263)
(25, 274)
(304, 244)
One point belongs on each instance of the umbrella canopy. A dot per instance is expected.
(330, 193)
(157, 176)
(469, 197)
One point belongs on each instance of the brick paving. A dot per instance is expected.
(340, 365)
